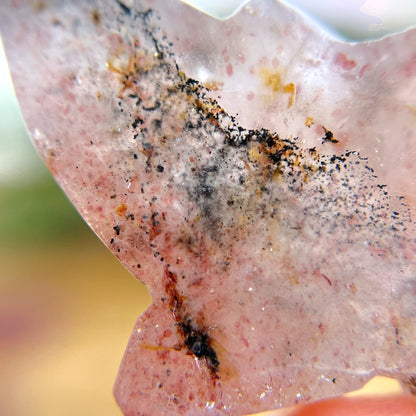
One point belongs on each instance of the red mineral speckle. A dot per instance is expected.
(364, 69)
(410, 67)
(342, 61)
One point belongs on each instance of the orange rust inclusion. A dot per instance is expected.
(121, 210)
(265, 156)
(273, 81)
(151, 347)
(196, 340)
(309, 121)
(175, 300)
(127, 72)
(213, 85)
(95, 17)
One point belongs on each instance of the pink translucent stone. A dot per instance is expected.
(258, 176)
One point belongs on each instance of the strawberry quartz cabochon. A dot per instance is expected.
(257, 175)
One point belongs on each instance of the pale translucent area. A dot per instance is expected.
(218, 8)
(19, 162)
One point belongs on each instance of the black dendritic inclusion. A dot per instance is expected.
(198, 343)
(124, 8)
(236, 176)
(329, 137)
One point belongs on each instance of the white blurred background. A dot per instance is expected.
(350, 20)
